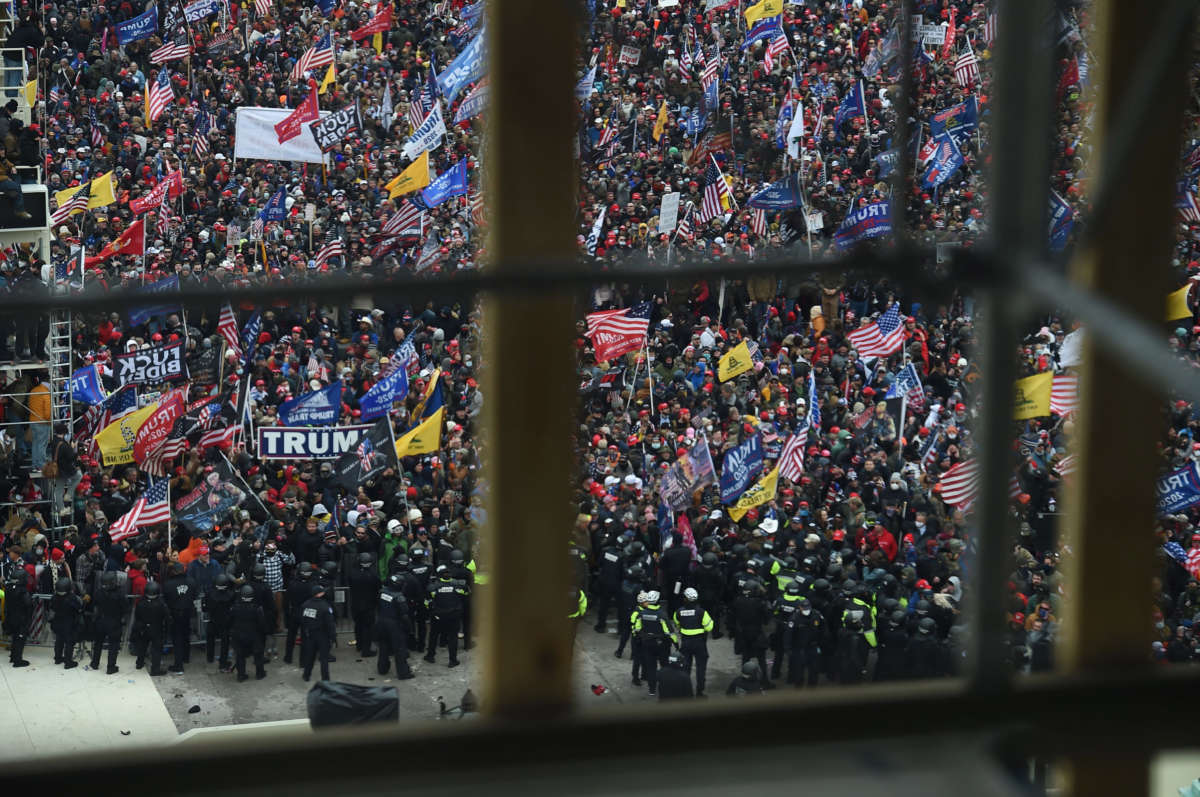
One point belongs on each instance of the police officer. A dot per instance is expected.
(802, 641)
(150, 621)
(750, 615)
(364, 596)
(694, 624)
(461, 573)
(749, 682)
(654, 631)
(632, 586)
(298, 592)
(710, 585)
(419, 569)
(317, 631)
(892, 643)
(263, 592)
(608, 582)
(218, 603)
(445, 604)
(393, 627)
(18, 612)
(673, 680)
(108, 620)
(922, 656)
(852, 649)
(67, 609)
(785, 607)
(180, 600)
(248, 629)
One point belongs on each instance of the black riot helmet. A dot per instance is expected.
(365, 560)
(888, 605)
(442, 571)
(793, 588)
(922, 607)
(898, 617)
(456, 556)
(821, 585)
(926, 626)
(849, 586)
(708, 560)
(260, 572)
(152, 590)
(417, 554)
(739, 551)
(395, 581)
(810, 564)
(246, 594)
(401, 561)
(62, 586)
(108, 580)
(790, 563)
(750, 669)
(222, 582)
(329, 569)
(637, 572)
(304, 571)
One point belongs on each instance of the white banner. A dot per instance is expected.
(428, 136)
(317, 442)
(668, 214)
(255, 137)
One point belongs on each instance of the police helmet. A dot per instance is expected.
(329, 569)
(222, 581)
(708, 560)
(316, 590)
(456, 556)
(442, 571)
(793, 588)
(690, 595)
(260, 572)
(850, 586)
(638, 547)
(926, 626)
(790, 563)
(750, 669)
(898, 617)
(637, 572)
(888, 605)
(247, 593)
(821, 585)
(739, 550)
(62, 586)
(395, 581)
(108, 580)
(417, 553)
(365, 560)
(674, 659)
(152, 590)
(803, 604)
(810, 563)
(922, 607)
(652, 596)
(401, 560)
(304, 571)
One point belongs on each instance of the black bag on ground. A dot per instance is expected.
(334, 703)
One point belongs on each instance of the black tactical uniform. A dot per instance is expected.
(150, 620)
(393, 627)
(364, 595)
(248, 629)
(445, 602)
(18, 612)
(66, 619)
(298, 592)
(317, 629)
(108, 621)
(218, 603)
(179, 595)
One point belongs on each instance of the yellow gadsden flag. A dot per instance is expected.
(423, 438)
(414, 178)
(737, 361)
(661, 124)
(328, 80)
(116, 439)
(31, 93)
(100, 190)
(766, 8)
(1177, 304)
(1033, 396)
(759, 493)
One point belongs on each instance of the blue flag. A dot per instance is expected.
(854, 105)
(378, 400)
(905, 382)
(1178, 490)
(869, 221)
(276, 207)
(318, 408)
(86, 386)
(326, 6)
(448, 184)
(712, 96)
(767, 28)
(887, 161)
(784, 122)
(946, 160)
(696, 121)
(469, 66)
(250, 335)
(140, 27)
(814, 404)
(958, 121)
(742, 465)
(471, 14)
(1062, 220)
(140, 315)
(779, 195)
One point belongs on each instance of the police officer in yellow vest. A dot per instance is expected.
(651, 627)
(577, 603)
(694, 625)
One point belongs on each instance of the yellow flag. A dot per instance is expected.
(31, 93)
(116, 439)
(424, 438)
(414, 178)
(1033, 396)
(761, 10)
(661, 124)
(328, 80)
(759, 493)
(1177, 304)
(102, 191)
(737, 361)
(377, 43)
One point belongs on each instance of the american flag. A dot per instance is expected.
(150, 508)
(1186, 203)
(966, 68)
(118, 404)
(880, 338)
(791, 459)
(712, 63)
(161, 94)
(685, 63)
(332, 248)
(1064, 394)
(1193, 562)
(407, 356)
(477, 208)
(409, 220)
(758, 222)
(204, 124)
(70, 207)
(56, 94)
(97, 130)
(421, 101)
(315, 57)
(262, 7)
(171, 51)
(156, 461)
(960, 484)
(163, 223)
(1066, 465)
(685, 224)
(775, 48)
(627, 321)
(716, 190)
(228, 329)
(219, 437)
(989, 29)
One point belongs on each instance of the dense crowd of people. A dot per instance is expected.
(854, 567)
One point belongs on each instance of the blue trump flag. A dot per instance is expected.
(854, 104)
(276, 207)
(869, 221)
(448, 184)
(378, 400)
(140, 315)
(86, 386)
(958, 121)
(767, 28)
(905, 382)
(779, 195)
(140, 27)
(318, 408)
(887, 161)
(1062, 220)
(469, 66)
(326, 6)
(741, 467)
(947, 159)
(471, 14)
(1178, 490)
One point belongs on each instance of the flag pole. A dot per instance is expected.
(169, 544)
(649, 372)
(633, 386)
